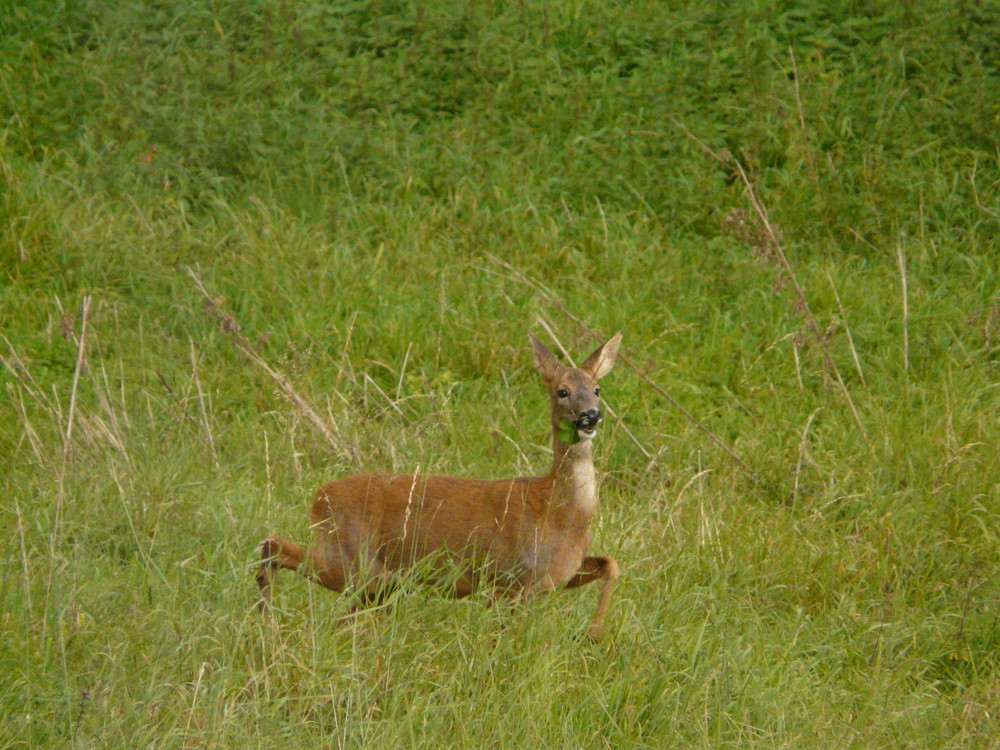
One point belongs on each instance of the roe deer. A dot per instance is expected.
(519, 537)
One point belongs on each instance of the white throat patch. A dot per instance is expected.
(583, 481)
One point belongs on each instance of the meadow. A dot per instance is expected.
(249, 247)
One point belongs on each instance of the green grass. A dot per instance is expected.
(385, 196)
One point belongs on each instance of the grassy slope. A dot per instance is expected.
(347, 179)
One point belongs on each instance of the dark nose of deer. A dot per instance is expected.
(589, 418)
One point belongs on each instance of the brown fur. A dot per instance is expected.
(518, 536)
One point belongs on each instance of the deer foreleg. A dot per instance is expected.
(275, 553)
(593, 568)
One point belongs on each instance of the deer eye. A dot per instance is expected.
(562, 393)
(597, 391)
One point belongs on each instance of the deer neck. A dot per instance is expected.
(574, 481)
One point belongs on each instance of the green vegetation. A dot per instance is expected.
(383, 196)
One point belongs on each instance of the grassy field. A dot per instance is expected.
(791, 210)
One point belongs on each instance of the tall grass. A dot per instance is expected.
(379, 198)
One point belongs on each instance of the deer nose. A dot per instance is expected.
(589, 418)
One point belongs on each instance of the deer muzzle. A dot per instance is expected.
(587, 422)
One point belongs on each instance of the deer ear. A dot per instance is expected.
(545, 360)
(600, 362)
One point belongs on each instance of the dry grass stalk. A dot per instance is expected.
(229, 325)
(201, 403)
(803, 452)
(901, 258)
(81, 360)
(847, 330)
(802, 122)
(803, 303)
(773, 234)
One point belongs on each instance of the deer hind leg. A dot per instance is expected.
(592, 569)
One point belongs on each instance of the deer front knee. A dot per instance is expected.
(270, 548)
